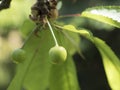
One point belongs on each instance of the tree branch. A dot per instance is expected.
(5, 4)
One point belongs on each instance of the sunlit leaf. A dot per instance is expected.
(105, 14)
(71, 36)
(71, 28)
(110, 60)
(111, 64)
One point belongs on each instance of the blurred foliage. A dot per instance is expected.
(15, 26)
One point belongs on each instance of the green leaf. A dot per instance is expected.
(63, 76)
(111, 63)
(69, 37)
(105, 14)
(33, 74)
(71, 28)
(25, 30)
(110, 60)
(72, 37)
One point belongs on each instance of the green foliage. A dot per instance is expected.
(27, 28)
(111, 63)
(110, 60)
(105, 14)
(37, 61)
(109, 15)
(63, 77)
(37, 65)
(37, 73)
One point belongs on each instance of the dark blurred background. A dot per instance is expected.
(15, 26)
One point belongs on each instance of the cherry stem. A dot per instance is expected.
(50, 27)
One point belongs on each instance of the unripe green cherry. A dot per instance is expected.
(18, 55)
(58, 54)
